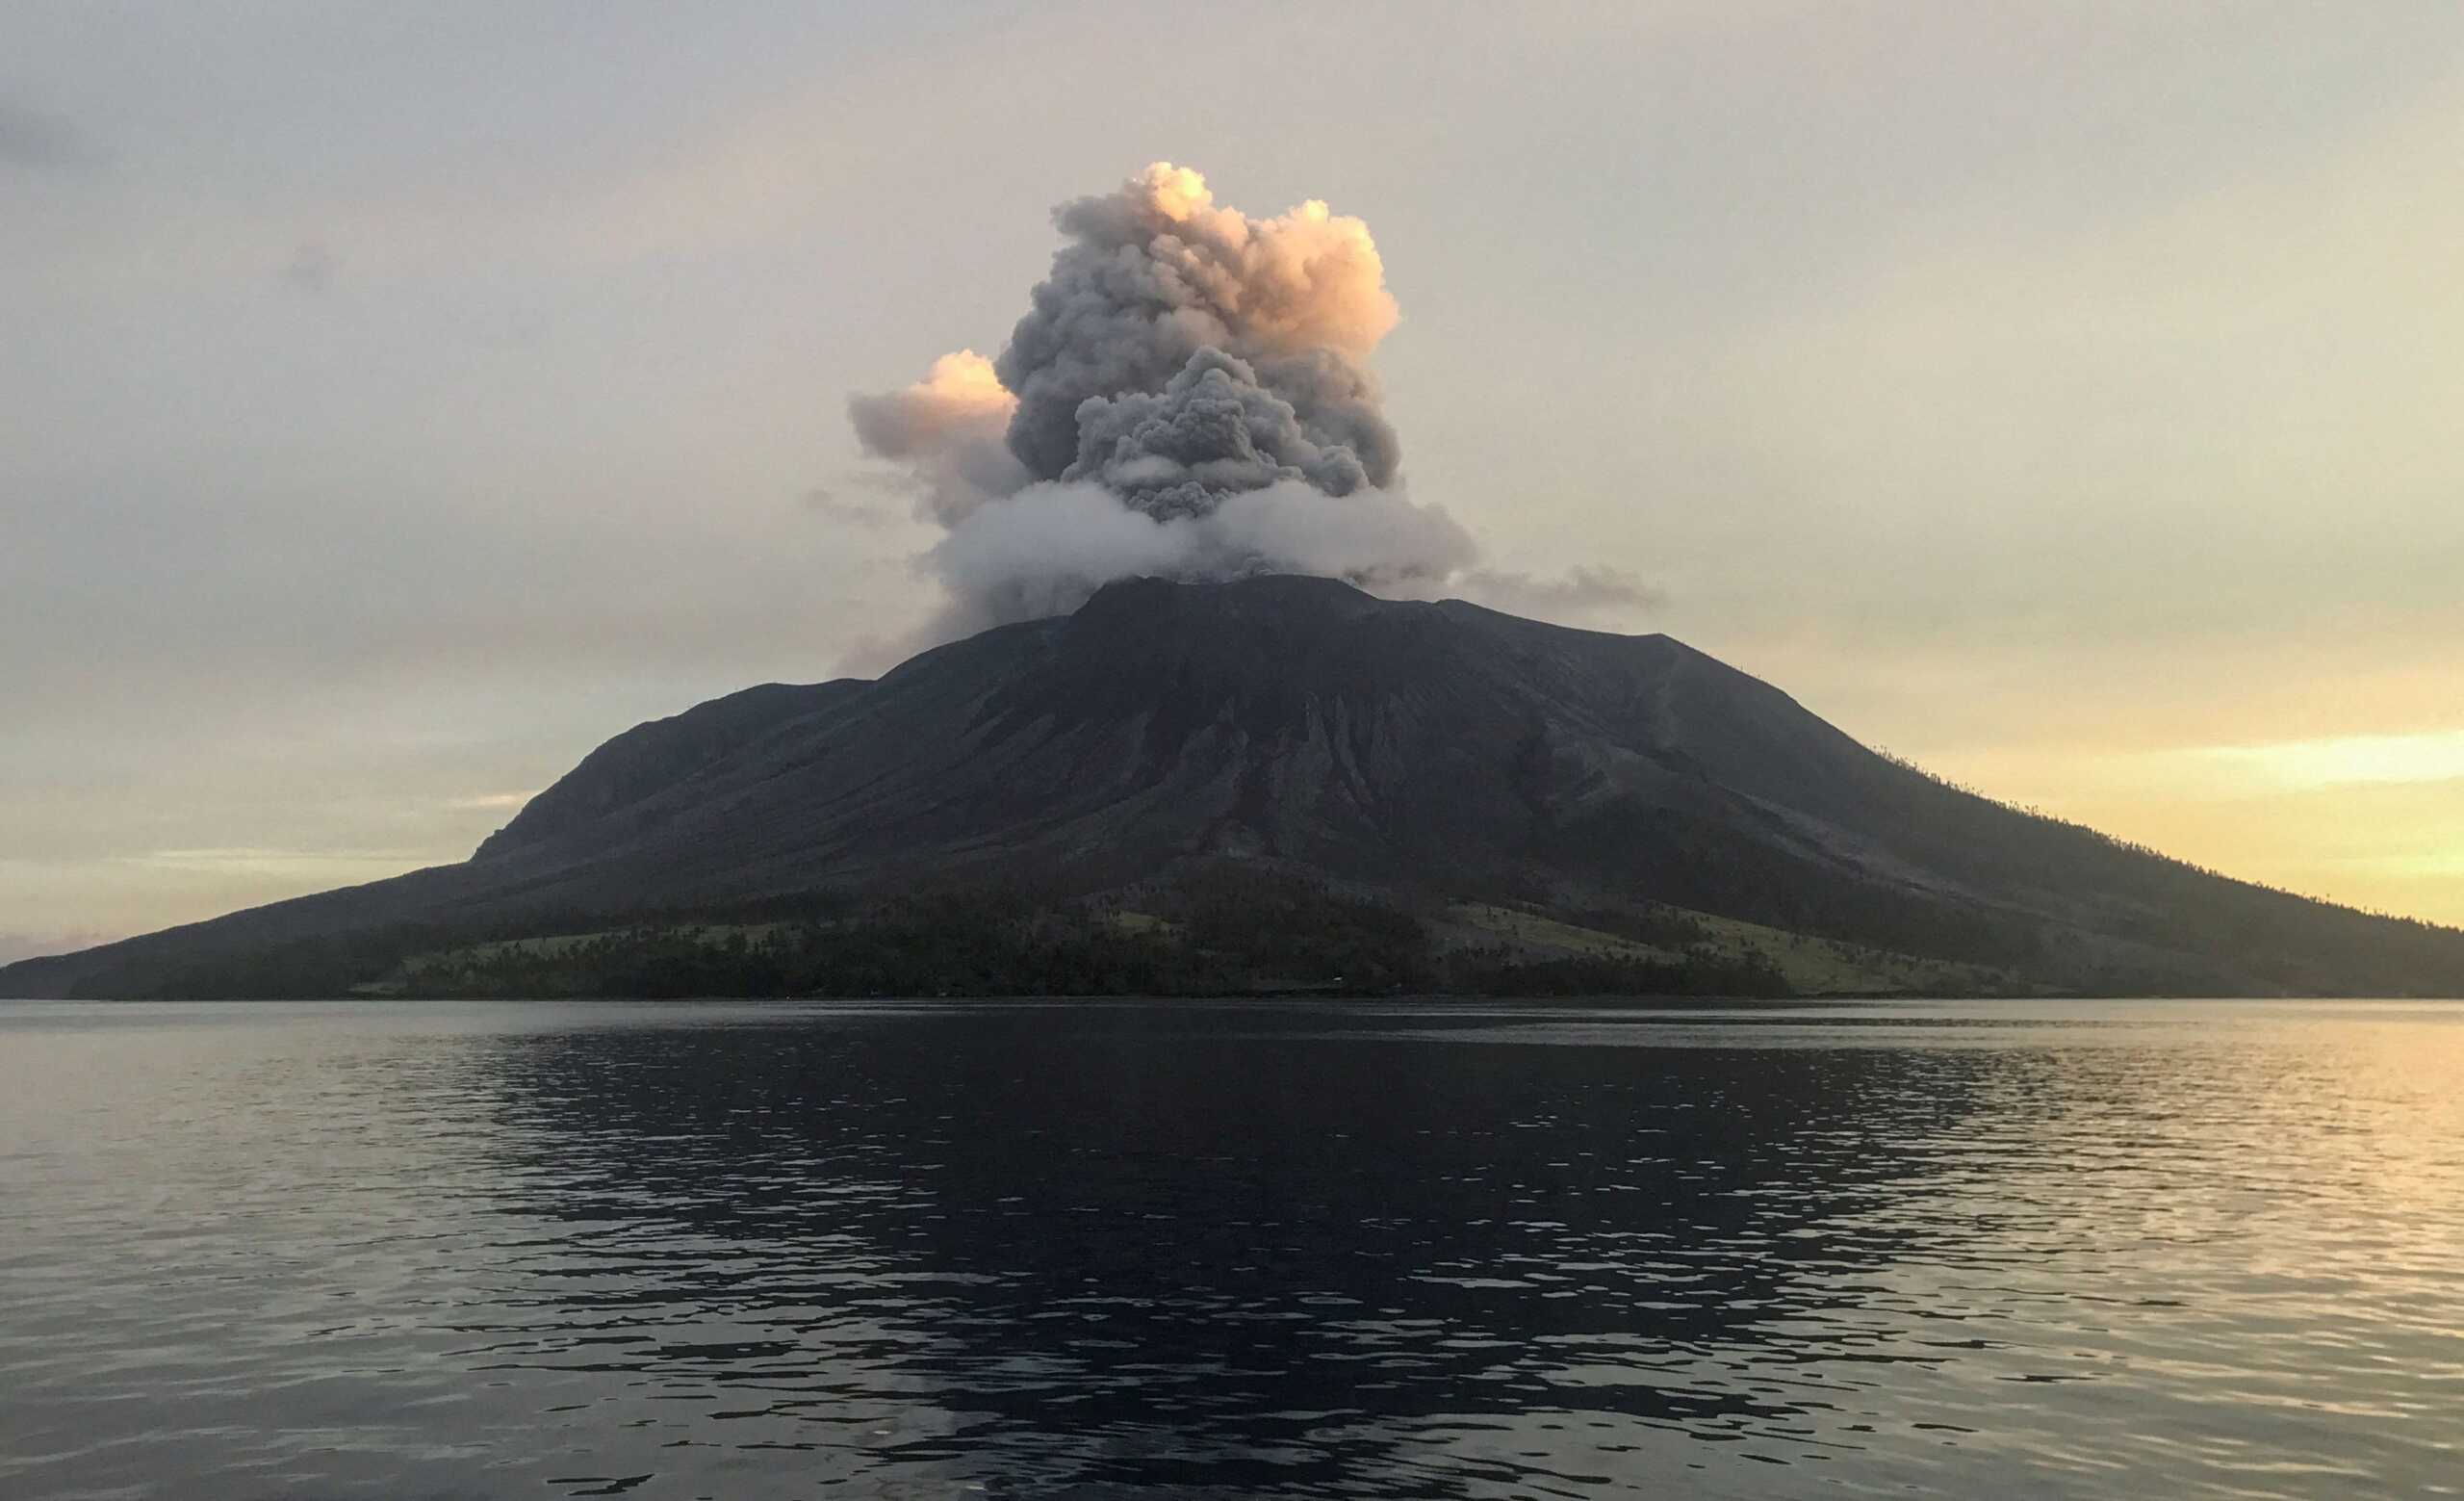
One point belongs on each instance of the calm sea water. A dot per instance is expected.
(411, 1250)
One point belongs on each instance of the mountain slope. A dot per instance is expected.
(1434, 752)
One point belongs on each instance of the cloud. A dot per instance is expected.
(274, 861)
(823, 502)
(1582, 593)
(1155, 271)
(948, 430)
(490, 802)
(2343, 761)
(1189, 395)
(310, 268)
(36, 141)
(15, 946)
(1045, 550)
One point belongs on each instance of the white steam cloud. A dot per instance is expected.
(1189, 395)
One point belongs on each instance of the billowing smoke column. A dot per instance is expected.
(1215, 347)
(1190, 395)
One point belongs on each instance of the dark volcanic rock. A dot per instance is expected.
(651, 759)
(1431, 750)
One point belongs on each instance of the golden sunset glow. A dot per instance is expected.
(2348, 761)
(2371, 821)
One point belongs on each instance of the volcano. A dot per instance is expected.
(1437, 757)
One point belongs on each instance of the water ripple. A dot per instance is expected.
(2202, 1250)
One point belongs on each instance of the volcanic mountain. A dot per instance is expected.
(1438, 758)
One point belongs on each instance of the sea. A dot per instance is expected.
(1112, 1249)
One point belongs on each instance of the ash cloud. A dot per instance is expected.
(949, 432)
(1189, 395)
(1155, 273)
(1213, 431)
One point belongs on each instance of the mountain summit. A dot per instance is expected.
(1438, 758)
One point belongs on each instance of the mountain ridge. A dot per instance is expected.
(1422, 753)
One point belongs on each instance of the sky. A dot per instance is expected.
(397, 401)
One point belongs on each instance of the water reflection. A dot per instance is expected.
(1173, 1246)
(676, 1251)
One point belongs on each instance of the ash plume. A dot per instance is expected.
(948, 431)
(1155, 275)
(1189, 395)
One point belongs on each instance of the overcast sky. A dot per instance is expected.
(398, 401)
